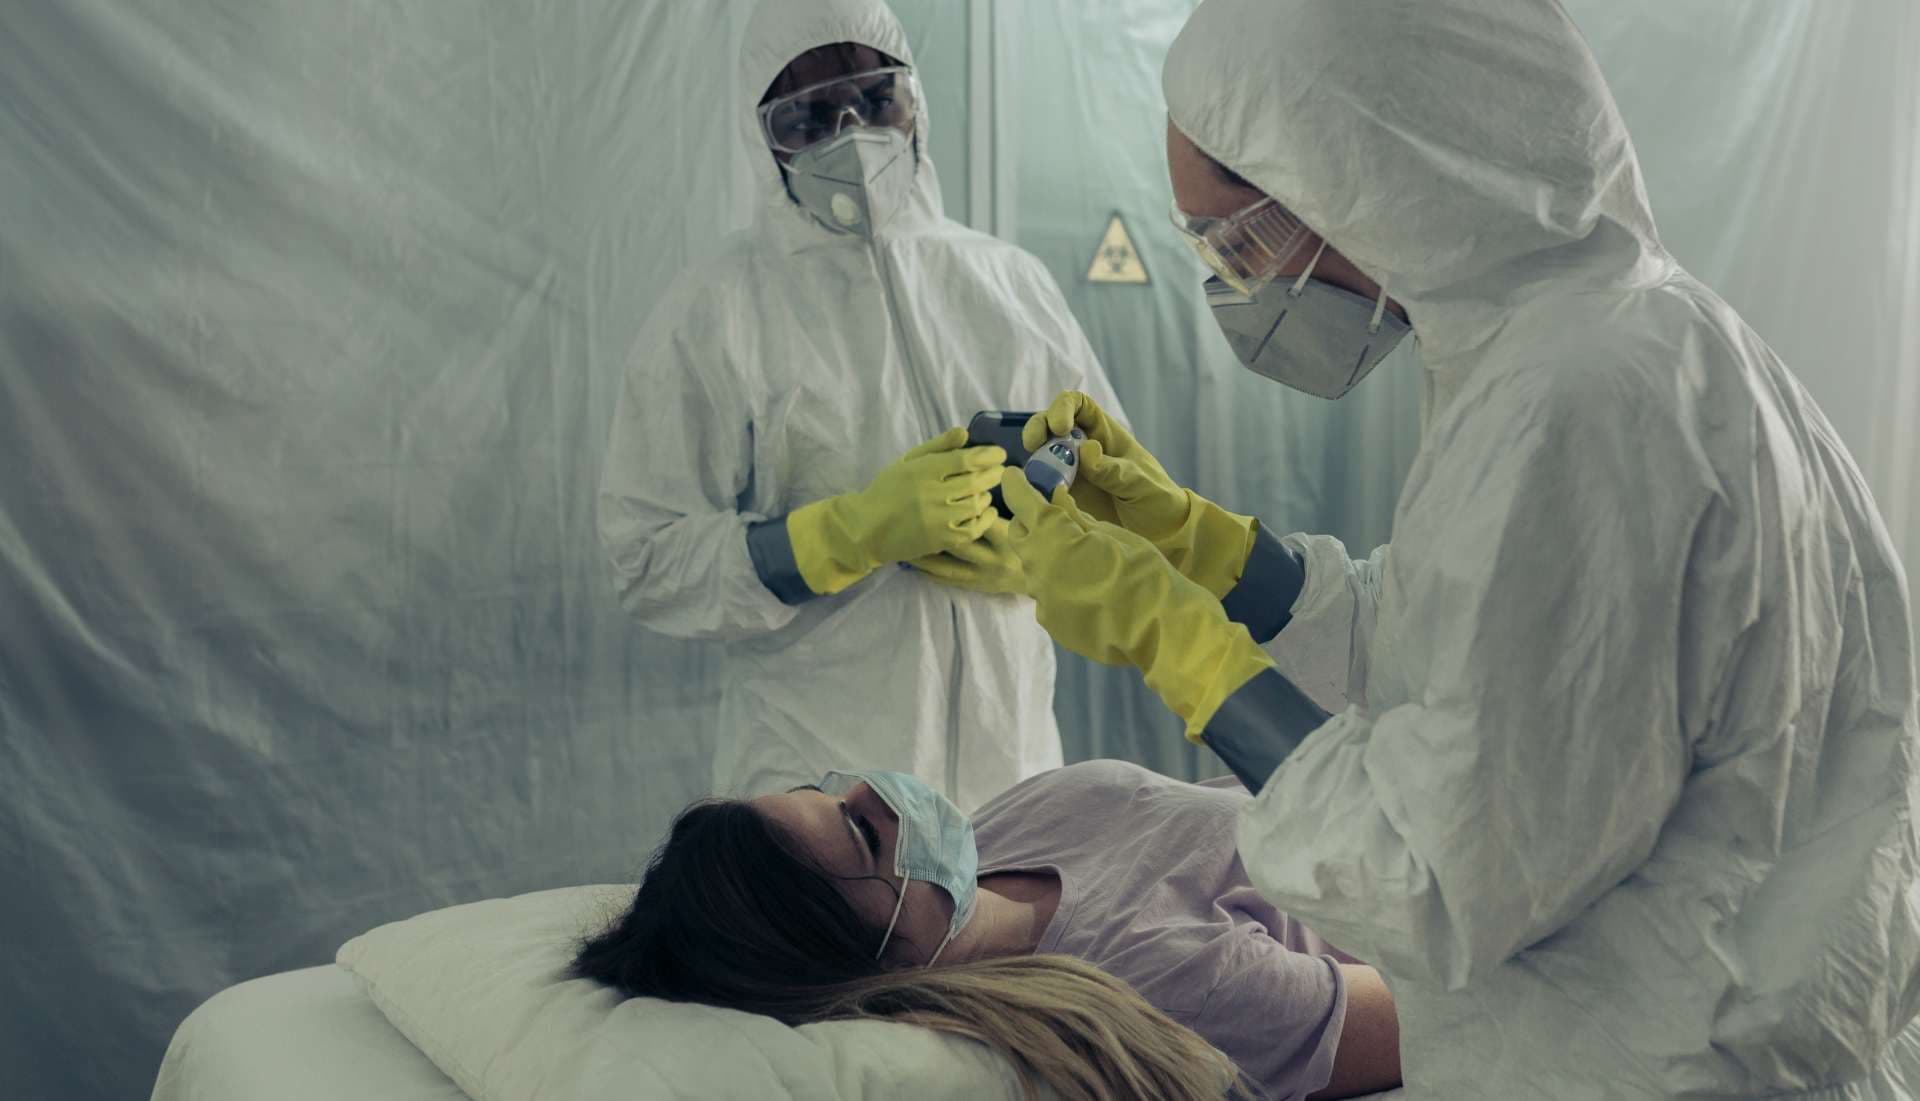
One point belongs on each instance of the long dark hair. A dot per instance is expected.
(729, 913)
(732, 913)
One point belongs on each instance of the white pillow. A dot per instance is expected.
(480, 990)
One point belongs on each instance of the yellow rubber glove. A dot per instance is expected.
(933, 498)
(986, 565)
(1108, 594)
(1121, 482)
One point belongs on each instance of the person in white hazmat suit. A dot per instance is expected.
(1620, 791)
(784, 440)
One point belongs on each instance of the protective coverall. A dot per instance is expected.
(792, 367)
(1620, 792)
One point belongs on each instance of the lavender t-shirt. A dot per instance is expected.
(1152, 892)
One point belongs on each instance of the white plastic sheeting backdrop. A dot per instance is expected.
(310, 322)
(311, 319)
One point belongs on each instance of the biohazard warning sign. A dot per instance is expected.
(1116, 260)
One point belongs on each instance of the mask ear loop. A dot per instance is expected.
(1306, 273)
(895, 919)
(1379, 312)
(942, 948)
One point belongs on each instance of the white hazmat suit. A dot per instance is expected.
(1621, 798)
(793, 367)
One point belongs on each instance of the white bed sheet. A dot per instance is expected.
(308, 1035)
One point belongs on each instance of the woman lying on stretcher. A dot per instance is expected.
(793, 906)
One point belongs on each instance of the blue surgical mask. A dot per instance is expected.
(934, 843)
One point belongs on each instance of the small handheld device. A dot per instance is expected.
(1055, 464)
(993, 427)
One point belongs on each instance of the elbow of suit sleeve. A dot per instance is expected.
(1505, 841)
(1399, 872)
(692, 577)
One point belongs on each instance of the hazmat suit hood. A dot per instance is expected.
(1619, 784)
(778, 32)
(791, 365)
(1399, 133)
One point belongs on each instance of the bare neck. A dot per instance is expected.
(1009, 918)
(1336, 269)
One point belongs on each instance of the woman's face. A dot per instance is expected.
(852, 839)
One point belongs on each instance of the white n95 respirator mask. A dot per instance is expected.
(856, 182)
(1303, 333)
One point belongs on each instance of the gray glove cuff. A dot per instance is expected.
(1270, 582)
(1260, 726)
(771, 549)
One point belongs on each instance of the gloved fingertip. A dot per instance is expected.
(1020, 495)
(1060, 419)
(1034, 434)
(949, 440)
(1091, 454)
(1086, 411)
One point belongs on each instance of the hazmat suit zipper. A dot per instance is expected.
(953, 707)
(930, 420)
(929, 408)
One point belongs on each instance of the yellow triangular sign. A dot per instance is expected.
(1116, 260)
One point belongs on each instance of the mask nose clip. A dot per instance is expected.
(845, 117)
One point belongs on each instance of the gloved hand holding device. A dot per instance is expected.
(1121, 482)
(932, 499)
(1109, 594)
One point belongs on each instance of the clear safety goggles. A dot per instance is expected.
(878, 97)
(1247, 248)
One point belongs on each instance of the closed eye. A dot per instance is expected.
(864, 835)
(872, 835)
(863, 832)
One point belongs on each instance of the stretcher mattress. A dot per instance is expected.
(471, 1004)
(308, 1035)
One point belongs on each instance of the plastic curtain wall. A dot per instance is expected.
(311, 321)
(1781, 146)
